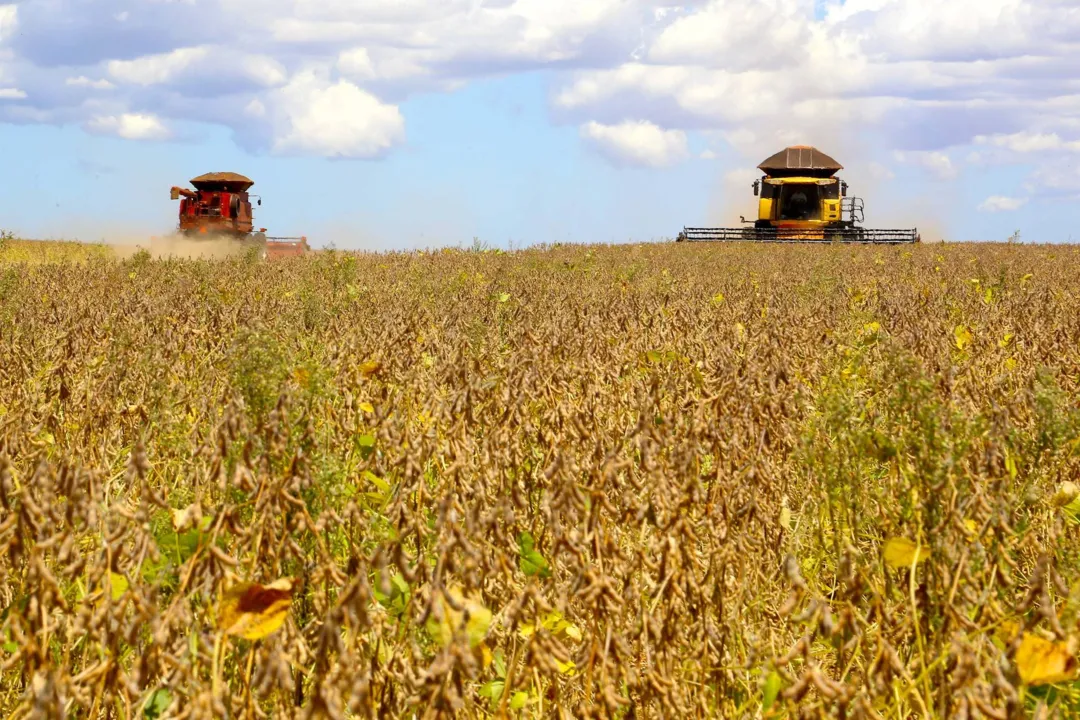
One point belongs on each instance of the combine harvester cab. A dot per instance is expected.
(800, 200)
(218, 212)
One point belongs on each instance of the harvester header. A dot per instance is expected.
(800, 199)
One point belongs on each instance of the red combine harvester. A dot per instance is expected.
(219, 208)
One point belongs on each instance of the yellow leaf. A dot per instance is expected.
(367, 407)
(444, 621)
(119, 585)
(370, 368)
(1004, 342)
(1024, 280)
(901, 552)
(183, 519)
(1072, 511)
(1042, 661)
(1010, 364)
(566, 668)
(718, 298)
(963, 336)
(253, 611)
(1010, 465)
(1065, 494)
(1006, 631)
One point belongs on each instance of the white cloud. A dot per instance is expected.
(637, 143)
(707, 155)
(83, 81)
(201, 67)
(12, 94)
(314, 116)
(130, 126)
(736, 34)
(922, 75)
(156, 69)
(939, 164)
(9, 20)
(1028, 142)
(879, 171)
(999, 203)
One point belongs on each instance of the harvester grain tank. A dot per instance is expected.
(219, 208)
(801, 200)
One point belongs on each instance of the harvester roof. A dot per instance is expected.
(800, 160)
(224, 181)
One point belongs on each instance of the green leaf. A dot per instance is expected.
(500, 663)
(399, 582)
(771, 690)
(366, 444)
(376, 481)
(158, 702)
(531, 562)
(504, 297)
(526, 542)
(493, 689)
(10, 647)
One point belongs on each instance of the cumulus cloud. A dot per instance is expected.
(909, 75)
(9, 18)
(83, 81)
(202, 70)
(12, 94)
(999, 203)
(637, 143)
(1028, 142)
(314, 116)
(923, 77)
(939, 164)
(130, 126)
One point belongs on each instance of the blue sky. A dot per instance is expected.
(410, 124)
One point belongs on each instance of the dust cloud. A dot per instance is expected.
(166, 246)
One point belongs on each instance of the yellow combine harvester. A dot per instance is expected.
(800, 200)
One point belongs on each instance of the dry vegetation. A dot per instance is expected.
(661, 481)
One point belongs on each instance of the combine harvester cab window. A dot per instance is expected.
(800, 202)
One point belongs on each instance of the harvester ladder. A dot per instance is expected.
(851, 209)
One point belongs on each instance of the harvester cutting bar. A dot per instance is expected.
(800, 235)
